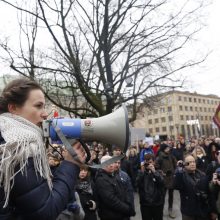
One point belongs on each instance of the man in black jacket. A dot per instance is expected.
(112, 199)
(151, 190)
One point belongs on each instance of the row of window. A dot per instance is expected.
(182, 108)
(201, 118)
(197, 100)
(201, 109)
(182, 129)
(182, 118)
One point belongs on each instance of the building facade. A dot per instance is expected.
(180, 113)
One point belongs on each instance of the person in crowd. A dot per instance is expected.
(126, 165)
(74, 210)
(213, 147)
(213, 165)
(86, 190)
(112, 200)
(124, 181)
(215, 190)
(201, 159)
(145, 150)
(167, 163)
(135, 164)
(194, 190)
(150, 184)
(27, 188)
(178, 150)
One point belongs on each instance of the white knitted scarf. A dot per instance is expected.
(23, 140)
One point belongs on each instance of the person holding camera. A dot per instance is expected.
(193, 186)
(150, 184)
(28, 190)
(86, 191)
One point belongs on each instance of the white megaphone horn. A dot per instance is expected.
(112, 128)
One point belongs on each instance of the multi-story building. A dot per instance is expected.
(180, 113)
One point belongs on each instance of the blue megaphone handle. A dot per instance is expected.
(71, 128)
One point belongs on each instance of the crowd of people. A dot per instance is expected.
(48, 183)
(191, 167)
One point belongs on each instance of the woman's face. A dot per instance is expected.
(33, 109)
(83, 174)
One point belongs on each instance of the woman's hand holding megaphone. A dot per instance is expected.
(80, 154)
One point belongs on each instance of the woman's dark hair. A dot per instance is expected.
(16, 92)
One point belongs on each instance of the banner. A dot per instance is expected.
(216, 117)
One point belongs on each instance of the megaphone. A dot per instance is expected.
(112, 128)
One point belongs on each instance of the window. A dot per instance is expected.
(157, 129)
(196, 109)
(170, 118)
(169, 109)
(163, 119)
(195, 99)
(201, 117)
(181, 117)
(150, 130)
(185, 99)
(164, 129)
(180, 98)
(150, 121)
(208, 101)
(203, 101)
(180, 107)
(206, 118)
(191, 108)
(200, 109)
(190, 99)
(162, 110)
(205, 109)
(192, 117)
(186, 108)
(199, 100)
(187, 117)
(155, 111)
(156, 120)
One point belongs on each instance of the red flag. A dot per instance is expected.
(55, 114)
(216, 117)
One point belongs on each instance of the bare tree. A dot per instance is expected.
(106, 52)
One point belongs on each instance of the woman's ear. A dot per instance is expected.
(12, 108)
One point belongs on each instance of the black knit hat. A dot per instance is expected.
(163, 147)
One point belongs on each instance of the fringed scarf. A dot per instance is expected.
(23, 140)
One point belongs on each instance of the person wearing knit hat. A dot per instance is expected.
(163, 147)
(105, 158)
(167, 163)
(112, 198)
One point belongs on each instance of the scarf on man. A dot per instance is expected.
(23, 140)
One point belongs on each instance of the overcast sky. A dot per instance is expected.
(204, 79)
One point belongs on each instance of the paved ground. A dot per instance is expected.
(176, 208)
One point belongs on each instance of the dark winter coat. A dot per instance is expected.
(31, 197)
(112, 200)
(194, 192)
(151, 188)
(86, 191)
(167, 163)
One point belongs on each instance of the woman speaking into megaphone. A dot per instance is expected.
(28, 190)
